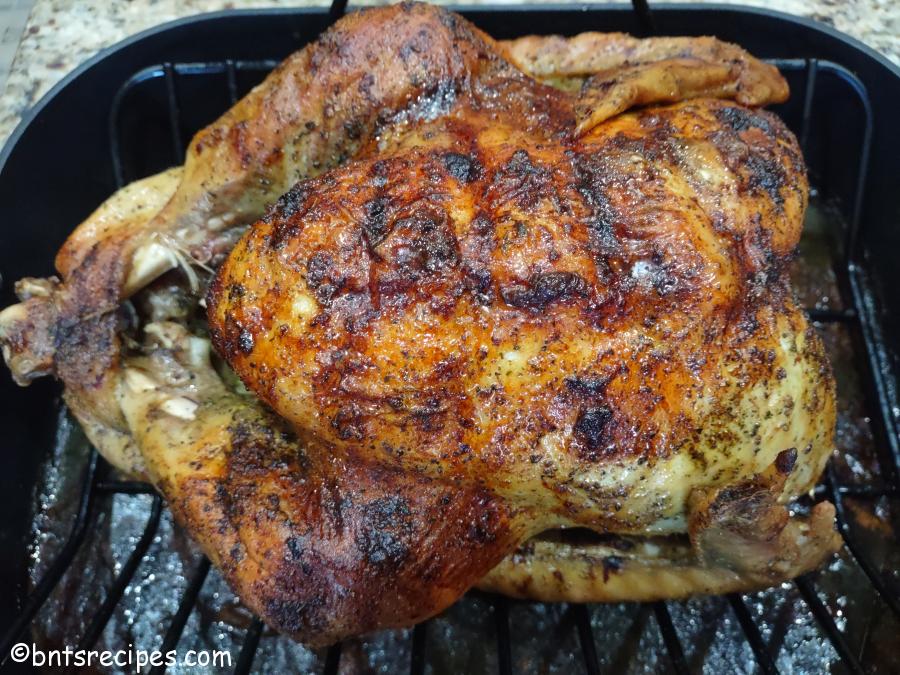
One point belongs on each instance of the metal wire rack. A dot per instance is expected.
(235, 77)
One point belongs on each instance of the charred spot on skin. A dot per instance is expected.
(374, 221)
(290, 203)
(245, 341)
(379, 172)
(416, 45)
(463, 168)
(520, 164)
(465, 451)
(421, 243)
(381, 547)
(746, 327)
(588, 386)
(483, 528)
(604, 243)
(296, 549)
(292, 615)
(429, 422)
(389, 511)
(317, 268)
(786, 460)
(438, 244)
(612, 564)
(766, 174)
(348, 423)
(236, 292)
(741, 119)
(283, 232)
(593, 177)
(354, 129)
(479, 282)
(356, 312)
(320, 277)
(591, 430)
(436, 101)
(542, 290)
(252, 446)
(482, 225)
(387, 522)
(521, 182)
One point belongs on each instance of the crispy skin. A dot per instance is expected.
(605, 55)
(600, 313)
(316, 110)
(511, 307)
(318, 546)
(72, 329)
(740, 538)
(312, 113)
(662, 568)
(618, 71)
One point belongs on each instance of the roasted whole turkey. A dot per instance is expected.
(512, 315)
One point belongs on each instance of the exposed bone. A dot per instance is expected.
(126, 212)
(185, 261)
(180, 407)
(12, 315)
(161, 254)
(164, 337)
(28, 344)
(150, 260)
(31, 287)
(198, 351)
(218, 222)
(139, 382)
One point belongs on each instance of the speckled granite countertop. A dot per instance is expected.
(60, 34)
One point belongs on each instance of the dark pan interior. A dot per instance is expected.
(125, 574)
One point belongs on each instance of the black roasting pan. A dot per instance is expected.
(129, 111)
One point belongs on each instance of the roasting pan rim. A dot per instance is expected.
(854, 49)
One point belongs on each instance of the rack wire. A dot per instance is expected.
(858, 317)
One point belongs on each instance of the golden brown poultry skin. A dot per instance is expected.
(372, 73)
(558, 317)
(490, 307)
(320, 546)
